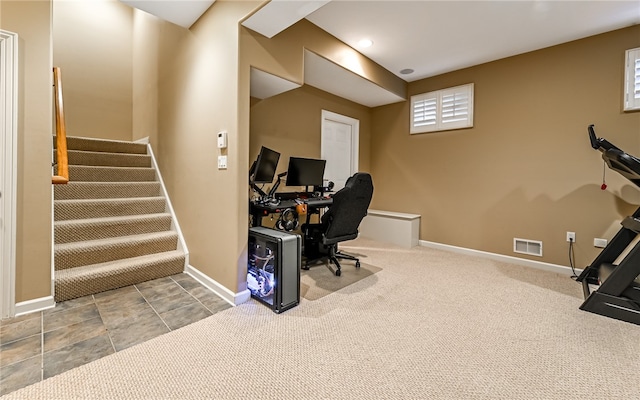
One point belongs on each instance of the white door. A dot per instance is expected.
(340, 144)
(8, 143)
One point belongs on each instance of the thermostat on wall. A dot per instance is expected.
(222, 140)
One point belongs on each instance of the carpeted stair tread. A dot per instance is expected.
(111, 225)
(82, 157)
(88, 173)
(82, 281)
(100, 208)
(103, 145)
(77, 254)
(106, 190)
(76, 230)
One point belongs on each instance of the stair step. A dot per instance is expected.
(82, 157)
(77, 254)
(110, 174)
(106, 190)
(103, 145)
(82, 281)
(77, 230)
(102, 208)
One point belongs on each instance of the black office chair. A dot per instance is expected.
(339, 223)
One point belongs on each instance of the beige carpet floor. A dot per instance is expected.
(428, 325)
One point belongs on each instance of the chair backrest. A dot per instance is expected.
(349, 206)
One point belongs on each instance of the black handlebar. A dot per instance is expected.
(619, 161)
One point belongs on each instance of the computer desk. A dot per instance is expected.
(259, 209)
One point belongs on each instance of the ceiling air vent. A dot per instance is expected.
(525, 246)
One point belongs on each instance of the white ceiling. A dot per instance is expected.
(265, 85)
(430, 37)
(330, 77)
(181, 12)
(434, 37)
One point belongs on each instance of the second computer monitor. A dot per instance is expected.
(265, 166)
(305, 171)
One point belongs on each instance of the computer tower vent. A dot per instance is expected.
(525, 246)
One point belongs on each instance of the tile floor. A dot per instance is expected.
(39, 345)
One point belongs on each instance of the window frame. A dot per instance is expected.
(433, 104)
(632, 80)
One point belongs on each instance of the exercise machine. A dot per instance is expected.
(618, 292)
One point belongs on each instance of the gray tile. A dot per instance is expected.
(21, 318)
(123, 291)
(75, 355)
(119, 299)
(65, 305)
(71, 334)
(117, 317)
(184, 316)
(154, 283)
(210, 300)
(169, 303)
(20, 330)
(70, 316)
(137, 332)
(186, 281)
(20, 350)
(151, 293)
(20, 374)
(215, 304)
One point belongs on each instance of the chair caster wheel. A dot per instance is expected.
(357, 264)
(338, 273)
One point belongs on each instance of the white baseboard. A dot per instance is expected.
(29, 306)
(229, 296)
(500, 257)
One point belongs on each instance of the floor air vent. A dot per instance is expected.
(524, 246)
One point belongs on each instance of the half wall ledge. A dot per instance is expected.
(391, 227)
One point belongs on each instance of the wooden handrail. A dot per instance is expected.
(61, 132)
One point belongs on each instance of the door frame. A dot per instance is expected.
(355, 137)
(8, 168)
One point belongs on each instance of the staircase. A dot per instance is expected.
(112, 226)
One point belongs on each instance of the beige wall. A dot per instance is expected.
(198, 97)
(93, 46)
(146, 35)
(526, 168)
(290, 123)
(31, 20)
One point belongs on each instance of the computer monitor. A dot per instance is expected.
(305, 171)
(264, 169)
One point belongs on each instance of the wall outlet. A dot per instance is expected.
(571, 237)
(222, 162)
(597, 242)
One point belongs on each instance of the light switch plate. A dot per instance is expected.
(222, 162)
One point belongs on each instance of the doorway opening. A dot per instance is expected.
(340, 146)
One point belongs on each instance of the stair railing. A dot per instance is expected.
(62, 160)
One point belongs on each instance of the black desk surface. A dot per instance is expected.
(278, 205)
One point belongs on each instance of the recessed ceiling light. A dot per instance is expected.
(365, 43)
(406, 71)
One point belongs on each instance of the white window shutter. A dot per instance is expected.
(424, 112)
(441, 110)
(632, 80)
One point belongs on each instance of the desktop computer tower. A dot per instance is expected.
(273, 268)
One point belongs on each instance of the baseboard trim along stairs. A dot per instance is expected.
(113, 223)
